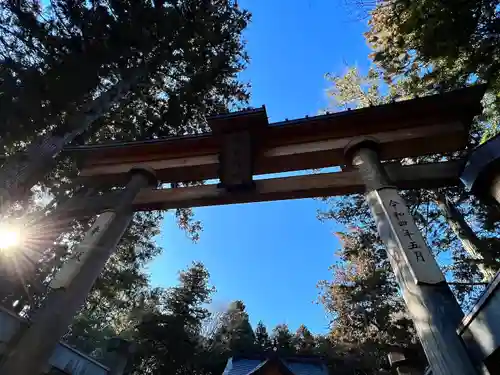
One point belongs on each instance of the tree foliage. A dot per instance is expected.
(169, 334)
(304, 341)
(94, 44)
(436, 44)
(169, 327)
(181, 59)
(355, 90)
(418, 48)
(262, 340)
(56, 57)
(235, 335)
(368, 314)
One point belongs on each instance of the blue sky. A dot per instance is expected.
(271, 255)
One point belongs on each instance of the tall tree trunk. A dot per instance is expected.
(471, 243)
(23, 170)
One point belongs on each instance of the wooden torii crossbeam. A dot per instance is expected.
(434, 124)
(428, 176)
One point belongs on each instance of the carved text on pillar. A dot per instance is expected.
(390, 208)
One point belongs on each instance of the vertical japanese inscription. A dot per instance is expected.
(405, 238)
(409, 239)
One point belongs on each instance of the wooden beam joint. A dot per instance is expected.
(236, 162)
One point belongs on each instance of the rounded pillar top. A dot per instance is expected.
(150, 173)
(482, 165)
(358, 143)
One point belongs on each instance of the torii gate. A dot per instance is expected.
(242, 145)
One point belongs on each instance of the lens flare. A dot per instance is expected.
(10, 237)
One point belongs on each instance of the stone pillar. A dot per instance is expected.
(430, 302)
(73, 283)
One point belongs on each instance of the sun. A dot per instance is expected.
(9, 237)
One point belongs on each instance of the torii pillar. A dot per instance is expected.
(73, 282)
(429, 300)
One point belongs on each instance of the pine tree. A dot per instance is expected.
(190, 54)
(236, 334)
(362, 297)
(354, 90)
(304, 341)
(138, 70)
(262, 340)
(169, 335)
(455, 49)
(282, 340)
(475, 247)
(186, 301)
